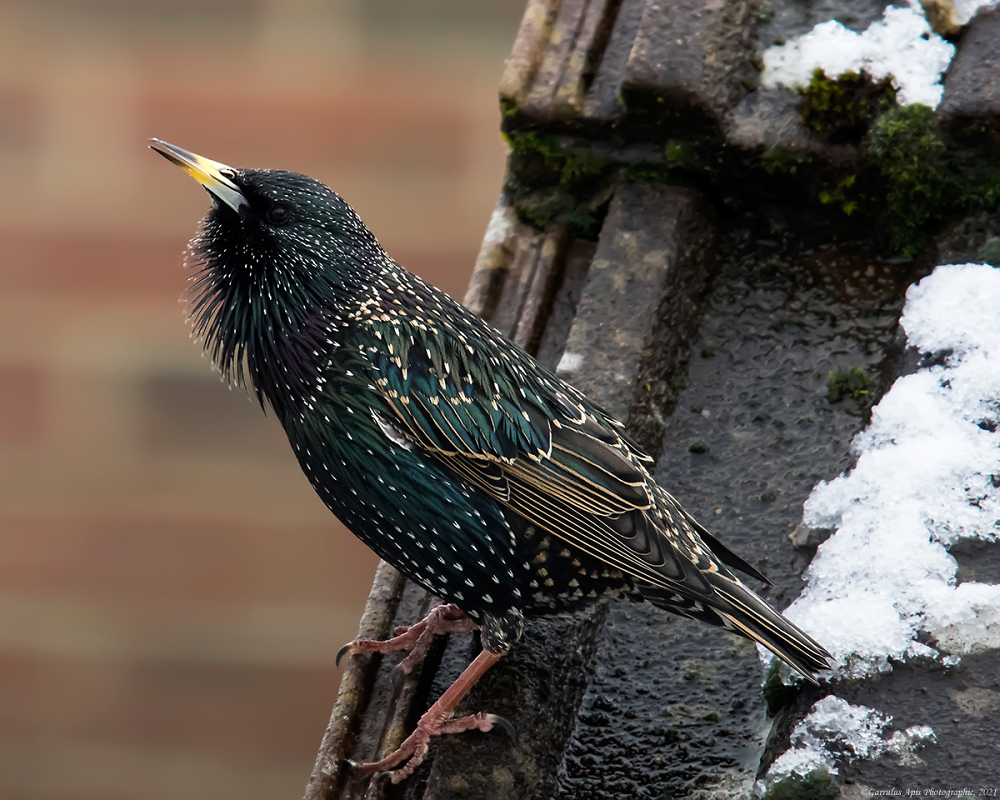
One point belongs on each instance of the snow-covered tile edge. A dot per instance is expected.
(900, 46)
(835, 730)
(926, 475)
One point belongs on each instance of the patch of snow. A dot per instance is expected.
(900, 46)
(924, 478)
(569, 362)
(926, 475)
(834, 729)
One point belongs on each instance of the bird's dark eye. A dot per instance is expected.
(278, 214)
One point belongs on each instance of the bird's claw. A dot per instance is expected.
(416, 638)
(415, 747)
(507, 726)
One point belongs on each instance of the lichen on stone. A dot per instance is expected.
(842, 108)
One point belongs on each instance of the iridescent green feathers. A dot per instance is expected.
(262, 291)
(460, 392)
(434, 439)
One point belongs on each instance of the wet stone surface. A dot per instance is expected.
(693, 56)
(604, 99)
(661, 720)
(784, 19)
(961, 705)
(971, 89)
(567, 297)
(757, 400)
(675, 709)
(978, 560)
(643, 289)
(537, 687)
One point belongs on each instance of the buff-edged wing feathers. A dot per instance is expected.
(439, 443)
(477, 473)
(545, 452)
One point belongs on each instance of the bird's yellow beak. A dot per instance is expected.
(210, 174)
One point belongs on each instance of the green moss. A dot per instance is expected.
(909, 149)
(841, 109)
(986, 191)
(683, 154)
(551, 182)
(783, 161)
(854, 384)
(817, 785)
(681, 158)
(777, 694)
(841, 195)
(567, 165)
(908, 177)
(829, 101)
(540, 208)
(912, 175)
(655, 173)
(990, 252)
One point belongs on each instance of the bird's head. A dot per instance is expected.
(277, 258)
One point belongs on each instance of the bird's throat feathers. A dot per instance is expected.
(266, 310)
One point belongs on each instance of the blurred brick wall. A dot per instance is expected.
(172, 594)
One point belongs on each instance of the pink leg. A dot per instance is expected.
(437, 721)
(442, 619)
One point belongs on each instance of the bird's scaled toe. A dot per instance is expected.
(402, 642)
(416, 638)
(412, 751)
(415, 747)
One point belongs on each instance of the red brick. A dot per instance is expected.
(185, 560)
(9, 794)
(91, 264)
(20, 680)
(200, 414)
(22, 405)
(20, 117)
(274, 713)
(449, 271)
(389, 125)
(220, 710)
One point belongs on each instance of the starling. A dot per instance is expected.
(449, 451)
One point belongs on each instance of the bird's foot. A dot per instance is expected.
(437, 721)
(416, 745)
(446, 618)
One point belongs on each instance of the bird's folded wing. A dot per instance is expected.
(535, 445)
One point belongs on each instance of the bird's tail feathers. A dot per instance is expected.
(734, 607)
